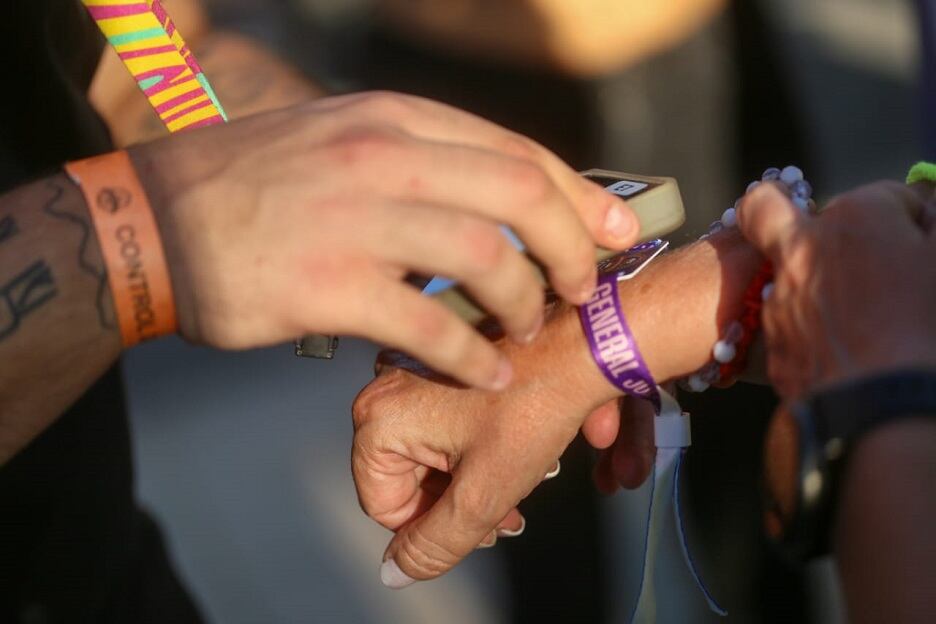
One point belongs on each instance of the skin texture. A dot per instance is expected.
(445, 466)
(854, 289)
(299, 210)
(855, 296)
(293, 222)
(584, 38)
(424, 468)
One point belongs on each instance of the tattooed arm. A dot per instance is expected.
(57, 329)
(247, 78)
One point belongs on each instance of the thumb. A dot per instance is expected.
(768, 219)
(601, 426)
(436, 541)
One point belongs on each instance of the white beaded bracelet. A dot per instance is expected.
(726, 348)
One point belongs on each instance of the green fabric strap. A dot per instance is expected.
(922, 172)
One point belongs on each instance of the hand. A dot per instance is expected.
(409, 429)
(855, 289)
(445, 466)
(622, 431)
(309, 218)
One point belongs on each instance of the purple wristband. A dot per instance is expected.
(612, 344)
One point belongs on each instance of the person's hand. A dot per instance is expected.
(308, 219)
(855, 288)
(622, 431)
(445, 466)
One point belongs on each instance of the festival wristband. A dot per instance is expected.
(130, 244)
(612, 344)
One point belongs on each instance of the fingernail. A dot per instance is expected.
(619, 222)
(589, 290)
(393, 577)
(552, 473)
(503, 376)
(489, 542)
(509, 533)
(533, 333)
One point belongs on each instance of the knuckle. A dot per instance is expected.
(363, 407)
(519, 146)
(529, 182)
(374, 401)
(422, 556)
(388, 104)
(429, 324)
(484, 247)
(363, 145)
(477, 508)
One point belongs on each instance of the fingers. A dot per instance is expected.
(601, 426)
(611, 223)
(634, 449)
(500, 188)
(401, 318)
(466, 248)
(432, 544)
(628, 462)
(768, 219)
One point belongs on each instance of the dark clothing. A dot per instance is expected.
(927, 11)
(74, 547)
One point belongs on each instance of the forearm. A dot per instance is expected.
(247, 78)
(57, 327)
(675, 308)
(884, 540)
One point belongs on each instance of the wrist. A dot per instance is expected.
(170, 177)
(674, 309)
(130, 245)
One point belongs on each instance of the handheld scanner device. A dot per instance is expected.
(659, 209)
(656, 201)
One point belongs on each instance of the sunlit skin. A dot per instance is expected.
(295, 221)
(445, 466)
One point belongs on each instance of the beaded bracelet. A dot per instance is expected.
(729, 354)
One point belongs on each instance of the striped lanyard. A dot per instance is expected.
(156, 55)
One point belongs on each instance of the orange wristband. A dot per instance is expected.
(129, 238)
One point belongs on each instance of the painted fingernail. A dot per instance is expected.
(509, 533)
(619, 222)
(489, 542)
(393, 577)
(503, 376)
(552, 473)
(533, 333)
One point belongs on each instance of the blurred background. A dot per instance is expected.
(243, 457)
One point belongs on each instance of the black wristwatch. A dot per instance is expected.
(807, 447)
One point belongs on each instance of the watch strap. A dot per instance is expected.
(830, 423)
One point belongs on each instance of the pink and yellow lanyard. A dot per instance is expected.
(156, 55)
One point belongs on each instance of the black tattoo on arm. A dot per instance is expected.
(23, 294)
(97, 270)
(8, 228)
